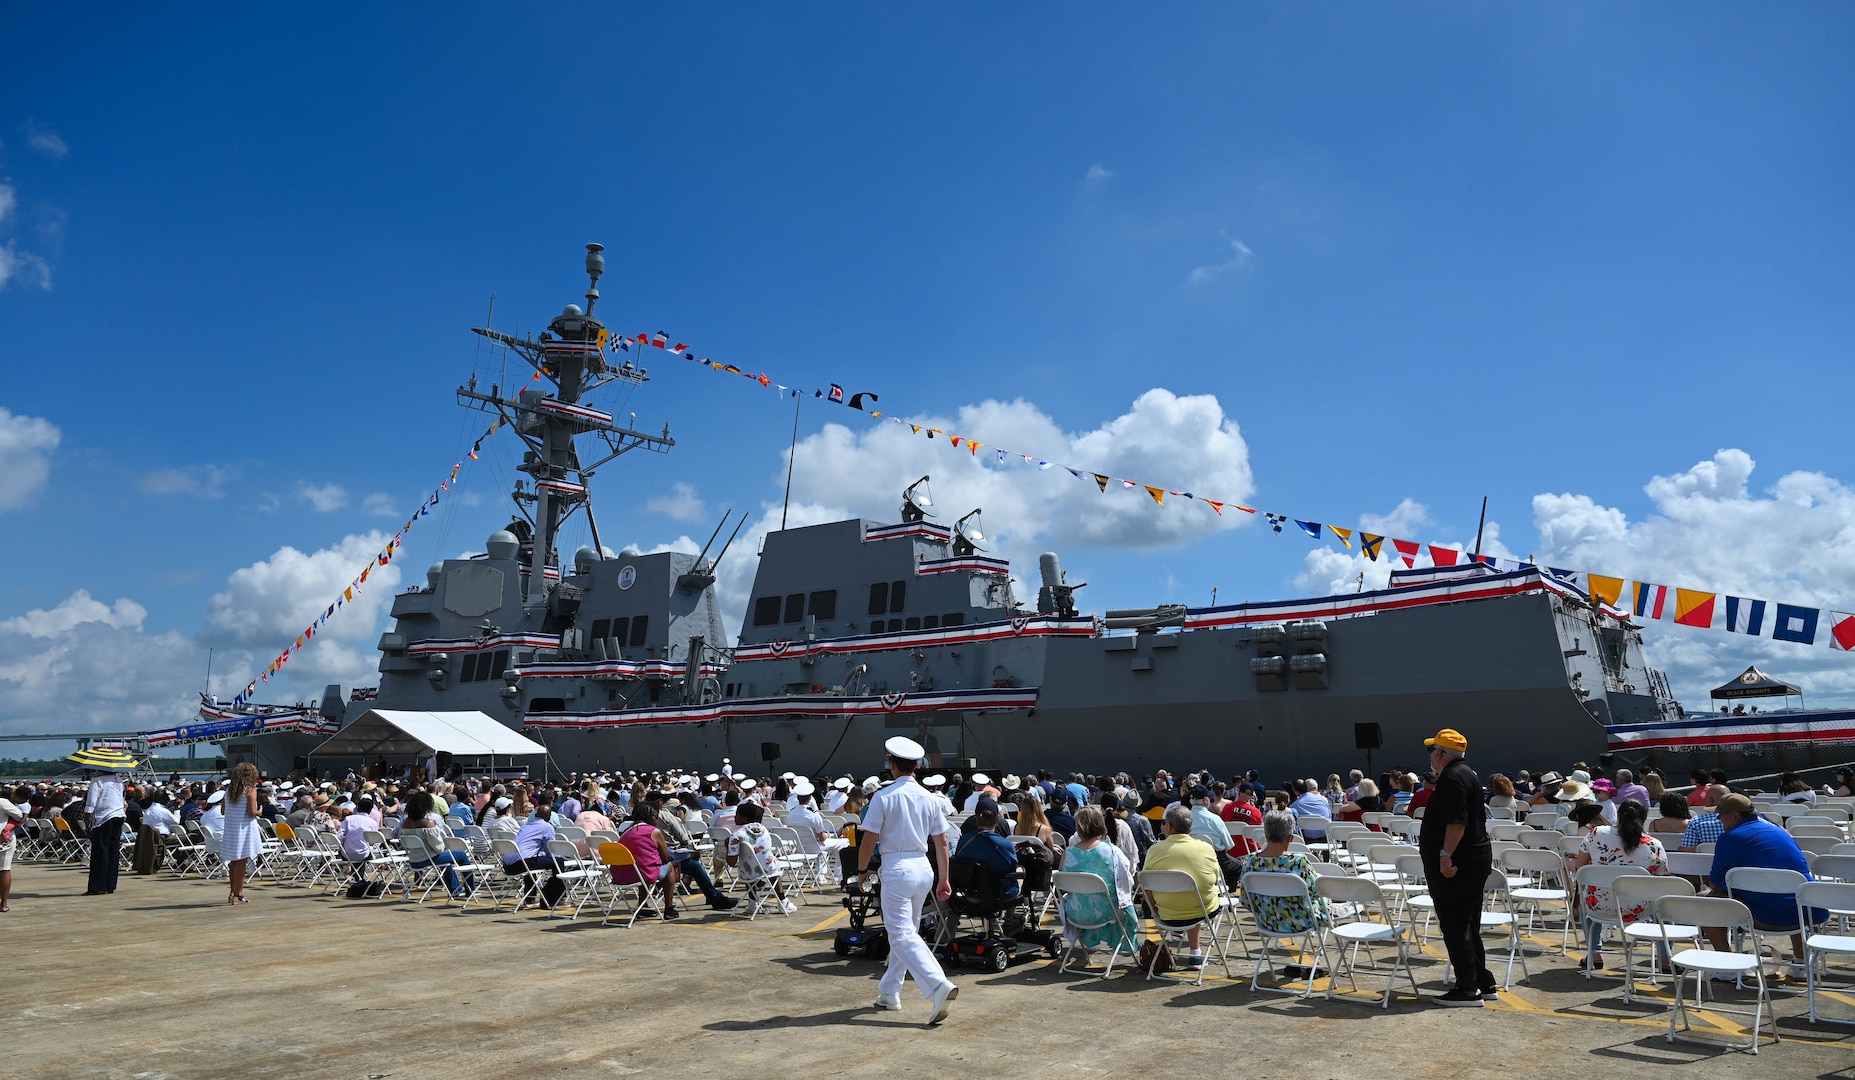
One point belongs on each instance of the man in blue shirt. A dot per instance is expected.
(1749, 840)
(984, 846)
(1312, 811)
(531, 845)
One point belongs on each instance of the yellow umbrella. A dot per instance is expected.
(104, 759)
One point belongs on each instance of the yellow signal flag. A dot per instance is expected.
(1605, 589)
(1345, 536)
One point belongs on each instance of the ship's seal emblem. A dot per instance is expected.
(627, 577)
(892, 702)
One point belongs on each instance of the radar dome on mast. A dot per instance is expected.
(502, 544)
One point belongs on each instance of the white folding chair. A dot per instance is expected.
(1259, 884)
(1417, 896)
(1542, 875)
(1157, 883)
(1735, 919)
(1066, 885)
(477, 877)
(577, 873)
(1837, 900)
(1364, 897)
(1690, 864)
(1584, 880)
(1495, 889)
(1632, 892)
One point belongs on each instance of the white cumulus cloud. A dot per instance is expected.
(325, 498)
(84, 665)
(1710, 530)
(1096, 175)
(380, 504)
(681, 504)
(26, 445)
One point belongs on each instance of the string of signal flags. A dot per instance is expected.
(1644, 600)
(379, 559)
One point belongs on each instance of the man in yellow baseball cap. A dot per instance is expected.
(1457, 859)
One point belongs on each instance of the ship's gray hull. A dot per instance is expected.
(1495, 670)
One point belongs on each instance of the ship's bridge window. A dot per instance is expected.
(602, 628)
(958, 618)
(898, 592)
(824, 605)
(895, 626)
(498, 661)
(620, 630)
(795, 607)
(469, 672)
(930, 622)
(911, 623)
(766, 611)
(879, 598)
(640, 628)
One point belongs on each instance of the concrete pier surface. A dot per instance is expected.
(164, 979)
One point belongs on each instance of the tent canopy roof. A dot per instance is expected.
(392, 733)
(1754, 683)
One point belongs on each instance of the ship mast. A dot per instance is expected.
(571, 354)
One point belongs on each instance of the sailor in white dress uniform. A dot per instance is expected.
(908, 822)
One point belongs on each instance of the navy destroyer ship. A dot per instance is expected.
(857, 630)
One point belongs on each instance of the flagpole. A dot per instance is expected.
(1480, 524)
(792, 454)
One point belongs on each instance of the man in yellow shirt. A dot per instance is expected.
(1180, 850)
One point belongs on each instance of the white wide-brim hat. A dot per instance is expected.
(903, 748)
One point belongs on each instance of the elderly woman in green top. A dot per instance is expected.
(1284, 914)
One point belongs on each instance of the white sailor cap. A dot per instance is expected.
(712, 777)
(788, 775)
(802, 787)
(749, 784)
(217, 796)
(903, 748)
(937, 780)
(981, 779)
(842, 783)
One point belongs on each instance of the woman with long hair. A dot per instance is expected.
(1622, 844)
(241, 841)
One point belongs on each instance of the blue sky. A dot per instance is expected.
(1418, 254)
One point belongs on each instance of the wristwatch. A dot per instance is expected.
(1450, 855)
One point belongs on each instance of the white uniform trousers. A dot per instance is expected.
(906, 882)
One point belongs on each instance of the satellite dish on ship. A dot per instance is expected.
(967, 534)
(916, 499)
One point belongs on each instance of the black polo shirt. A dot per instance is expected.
(1456, 799)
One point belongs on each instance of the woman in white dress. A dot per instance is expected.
(242, 841)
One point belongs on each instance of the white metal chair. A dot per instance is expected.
(1838, 900)
(1364, 897)
(1157, 883)
(1260, 884)
(1690, 864)
(1585, 879)
(1542, 876)
(1835, 866)
(577, 873)
(1068, 884)
(1633, 893)
(1495, 889)
(476, 876)
(1735, 919)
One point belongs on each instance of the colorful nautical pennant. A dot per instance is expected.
(1693, 608)
(1101, 482)
(1312, 528)
(1795, 624)
(1842, 630)
(1276, 521)
(1407, 550)
(1369, 544)
(1745, 616)
(1159, 495)
(1650, 599)
(1215, 505)
(1344, 536)
(1606, 590)
(1442, 556)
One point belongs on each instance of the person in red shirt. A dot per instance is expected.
(1421, 797)
(1241, 810)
